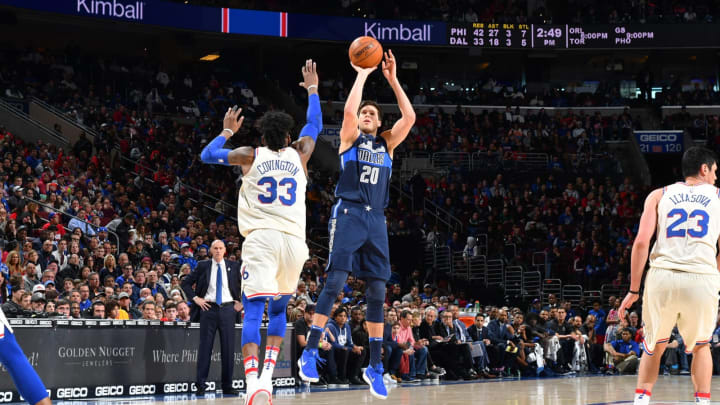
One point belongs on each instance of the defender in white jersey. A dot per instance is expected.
(682, 284)
(271, 217)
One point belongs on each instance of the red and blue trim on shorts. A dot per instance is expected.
(698, 343)
(267, 295)
(648, 352)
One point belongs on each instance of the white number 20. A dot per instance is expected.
(370, 174)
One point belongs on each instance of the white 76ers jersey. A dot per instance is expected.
(272, 195)
(688, 229)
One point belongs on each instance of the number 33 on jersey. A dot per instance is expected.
(688, 228)
(272, 194)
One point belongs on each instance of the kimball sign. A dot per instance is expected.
(398, 32)
(116, 9)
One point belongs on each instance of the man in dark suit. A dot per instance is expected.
(501, 338)
(481, 337)
(215, 308)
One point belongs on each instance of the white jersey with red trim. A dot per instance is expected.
(688, 228)
(272, 195)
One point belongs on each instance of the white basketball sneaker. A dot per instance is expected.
(256, 394)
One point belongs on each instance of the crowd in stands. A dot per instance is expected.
(503, 11)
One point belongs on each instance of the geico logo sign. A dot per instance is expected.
(238, 384)
(176, 387)
(141, 389)
(109, 391)
(209, 386)
(6, 396)
(284, 382)
(658, 138)
(77, 392)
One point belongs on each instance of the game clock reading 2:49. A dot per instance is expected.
(490, 35)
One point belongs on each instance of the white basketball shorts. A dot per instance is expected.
(271, 263)
(688, 300)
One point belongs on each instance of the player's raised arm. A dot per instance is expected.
(349, 130)
(305, 145)
(648, 225)
(402, 127)
(214, 153)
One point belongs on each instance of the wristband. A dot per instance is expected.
(229, 130)
(633, 292)
(311, 86)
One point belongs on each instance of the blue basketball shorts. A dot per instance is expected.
(359, 241)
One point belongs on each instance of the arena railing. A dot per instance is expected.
(590, 295)
(514, 281)
(495, 273)
(53, 209)
(540, 263)
(454, 159)
(608, 290)
(181, 184)
(429, 207)
(56, 113)
(476, 268)
(531, 284)
(16, 120)
(551, 286)
(572, 293)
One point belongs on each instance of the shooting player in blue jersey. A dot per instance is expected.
(14, 360)
(358, 233)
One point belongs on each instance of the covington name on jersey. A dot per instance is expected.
(284, 165)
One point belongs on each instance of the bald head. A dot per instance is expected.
(217, 249)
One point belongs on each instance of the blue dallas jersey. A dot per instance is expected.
(365, 170)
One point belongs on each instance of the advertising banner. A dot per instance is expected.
(89, 359)
(145, 12)
(386, 31)
(660, 141)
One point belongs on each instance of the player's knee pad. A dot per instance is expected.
(254, 309)
(335, 282)
(375, 295)
(277, 313)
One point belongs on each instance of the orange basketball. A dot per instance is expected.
(365, 52)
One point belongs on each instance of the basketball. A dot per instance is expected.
(365, 52)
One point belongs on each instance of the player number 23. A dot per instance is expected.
(702, 223)
(272, 193)
(369, 174)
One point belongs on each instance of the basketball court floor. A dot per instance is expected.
(596, 390)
